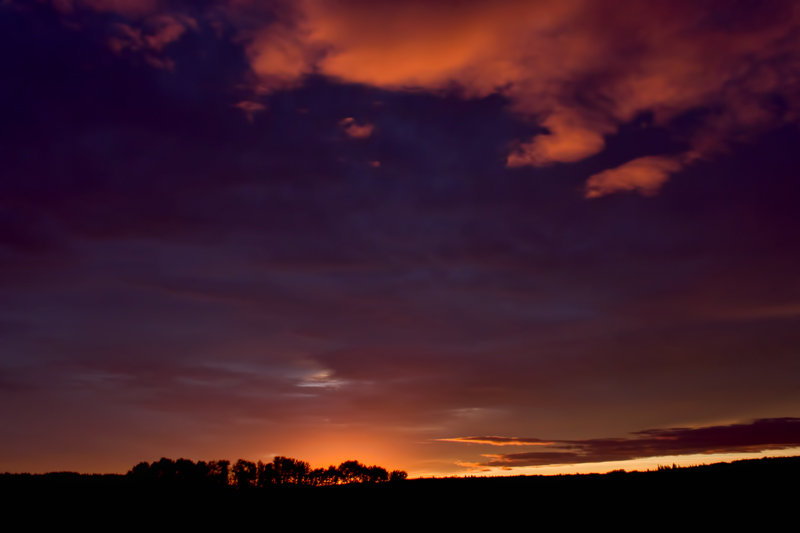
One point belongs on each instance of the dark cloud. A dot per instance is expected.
(757, 436)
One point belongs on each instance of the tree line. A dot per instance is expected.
(246, 474)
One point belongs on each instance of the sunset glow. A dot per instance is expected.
(479, 237)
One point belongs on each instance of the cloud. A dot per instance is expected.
(756, 436)
(644, 175)
(355, 130)
(500, 441)
(250, 108)
(281, 57)
(151, 37)
(567, 140)
(125, 7)
(579, 68)
(165, 29)
(433, 291)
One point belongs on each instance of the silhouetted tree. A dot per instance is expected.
(188, 472)
(332, 476)
(292, 471)
(164, 469)
(283, 470)
(141, 472)
(201, 471)
(352, 472)
(374, 474)
(265, 474)
(219, 472)
(398, 475)
(316, 478)
(320, 477)
(245, 474)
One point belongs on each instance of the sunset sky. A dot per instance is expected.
(450, 237)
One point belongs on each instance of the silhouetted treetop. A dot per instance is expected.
(246, 474)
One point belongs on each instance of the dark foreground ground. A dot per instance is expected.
(762, 494)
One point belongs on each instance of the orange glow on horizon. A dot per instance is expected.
(322, 449)
(641, 465)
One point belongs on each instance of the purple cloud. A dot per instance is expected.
(757, 436)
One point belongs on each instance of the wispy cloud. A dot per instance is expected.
(756, 436)
(644, 175)
(500, 441)
(354, 130)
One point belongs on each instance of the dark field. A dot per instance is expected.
(761, 493)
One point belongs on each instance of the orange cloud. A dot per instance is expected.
(500, 441)
(569, 139)
(356, 131)
(401, 44)
(281, 56)
(580, 67)
(410, 43)
(250, 108)
(645, 175)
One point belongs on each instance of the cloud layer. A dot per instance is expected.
(581, 69)
(757, 436)
(199, 257)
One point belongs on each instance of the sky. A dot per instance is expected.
(472, 237)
